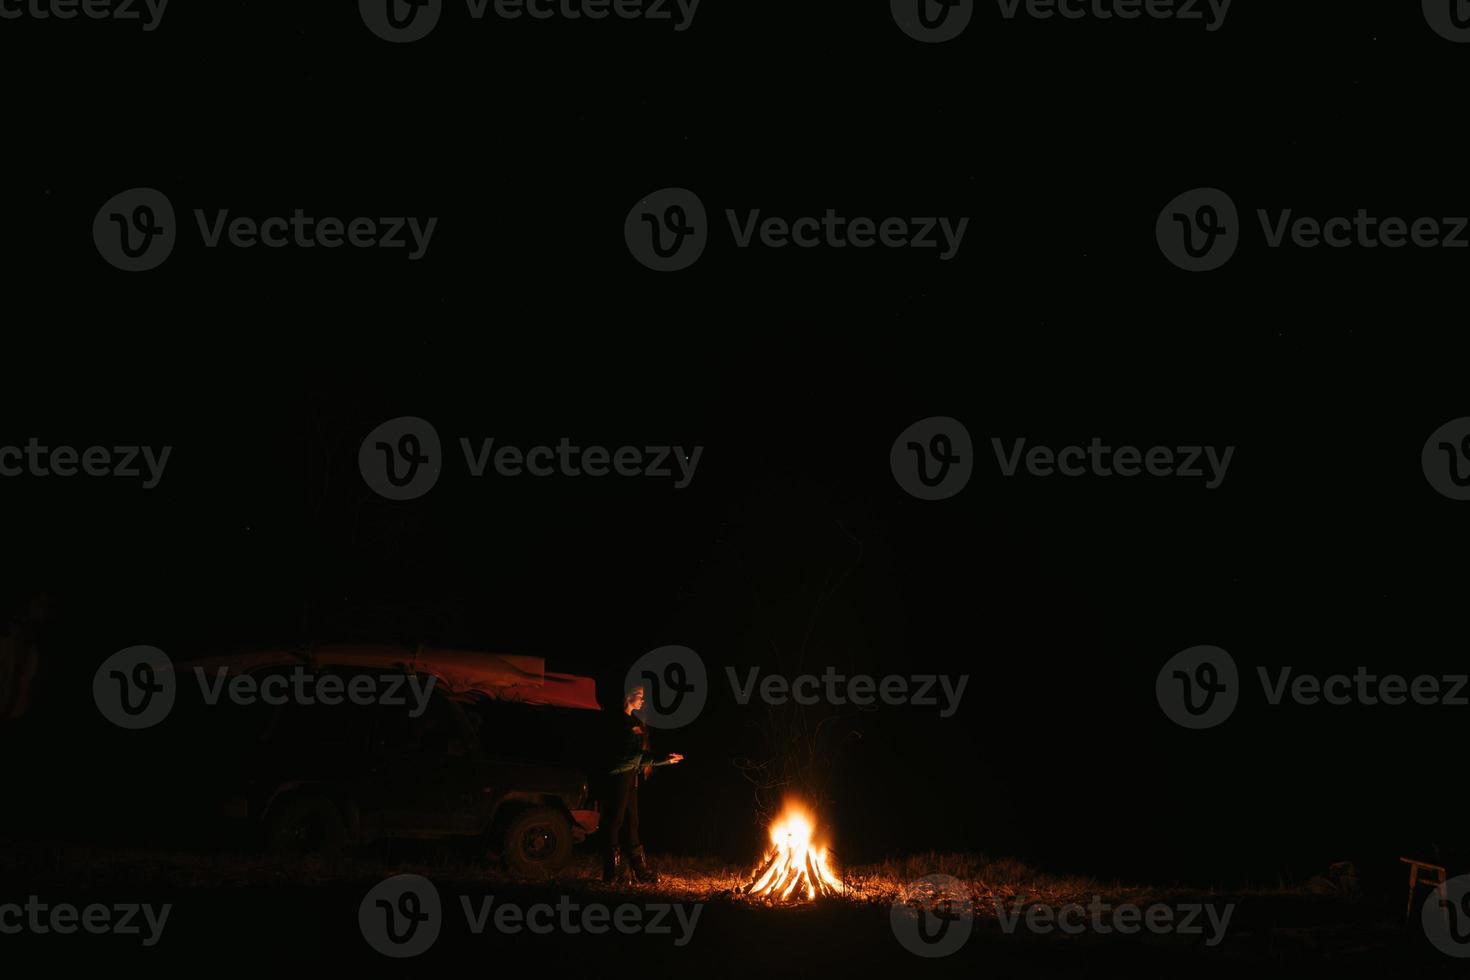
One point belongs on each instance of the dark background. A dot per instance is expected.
(529, 321)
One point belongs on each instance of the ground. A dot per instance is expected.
(236, 908)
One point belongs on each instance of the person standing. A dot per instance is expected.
(630, 764)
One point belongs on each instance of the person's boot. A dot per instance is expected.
(613, 868)
(639, 862)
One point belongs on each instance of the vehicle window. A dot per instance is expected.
(535, 733)
(433, 733)
(336, 725)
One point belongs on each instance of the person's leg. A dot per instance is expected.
(617, 795)
(632, 814)
(637, 857)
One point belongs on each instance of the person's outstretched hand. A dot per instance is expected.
(675, 757)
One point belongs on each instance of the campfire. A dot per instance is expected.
(795, 867)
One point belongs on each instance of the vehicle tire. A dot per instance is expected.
(537, 841)
(306, 824)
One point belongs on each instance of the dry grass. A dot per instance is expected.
(681, 878)
(1005, 880)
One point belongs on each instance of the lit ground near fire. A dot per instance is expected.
(1299, 929)
(680, 879)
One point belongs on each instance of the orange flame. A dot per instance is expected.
(795, 867)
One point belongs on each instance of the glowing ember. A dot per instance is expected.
(795, 868)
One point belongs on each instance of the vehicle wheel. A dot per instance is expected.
(309, 824)
(537, 841)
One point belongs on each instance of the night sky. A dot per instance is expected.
(528, 321)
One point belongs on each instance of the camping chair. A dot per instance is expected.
(1430, 874)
